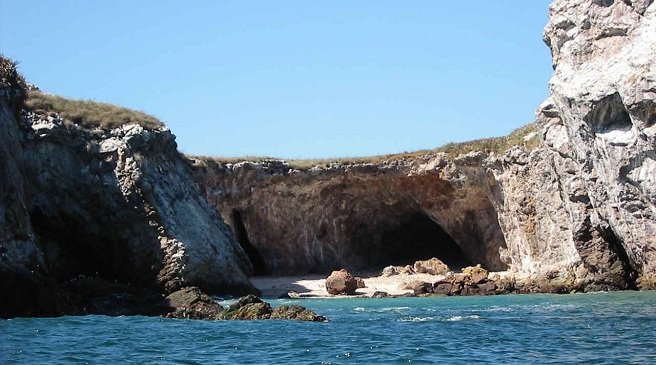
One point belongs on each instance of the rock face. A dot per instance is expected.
(118, 205)
(577, 209)
(599, 131)
(23, 277)
(341, 282)
(357, 216)
(85, 184)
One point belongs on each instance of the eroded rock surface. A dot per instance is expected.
(114, 205)
(577, 210)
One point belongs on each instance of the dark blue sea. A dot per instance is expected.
(600, 328)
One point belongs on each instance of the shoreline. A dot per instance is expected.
(314, 285)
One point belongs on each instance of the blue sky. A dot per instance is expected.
(293, 79)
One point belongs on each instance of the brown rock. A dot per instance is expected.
(442, 287)
(470, 290)
(191, 303)
(390, 271)
(380, 294)
(360, 282)
(431, 266)
(459, 278)
(476, 274)
(296, 312)
(406, 270)
(422, 287)
(487, 288)
(341, 282)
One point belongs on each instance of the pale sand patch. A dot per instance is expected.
(315, 285)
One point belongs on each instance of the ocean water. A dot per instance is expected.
(600, 328)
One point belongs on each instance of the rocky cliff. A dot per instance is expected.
(83, 208)
(95, 215)
(579, 206)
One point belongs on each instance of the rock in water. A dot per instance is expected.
(191, 303)
(341, 282)
(296, 312)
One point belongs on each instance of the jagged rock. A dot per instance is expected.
(380, 294)
(296, 312)
(475, 274)
(646, 283)
(250, 311)
(191, 303)
(360, 282)
(443, 288)
(431, 266)
(422, 287)
(390, 271)
(341, 282)
(487, 287)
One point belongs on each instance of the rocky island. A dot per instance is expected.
(100, 213)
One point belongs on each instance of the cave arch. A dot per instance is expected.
(241, 234)
(418, 237)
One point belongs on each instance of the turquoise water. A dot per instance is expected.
(602, 328)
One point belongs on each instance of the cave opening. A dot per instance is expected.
(241, 234)
(71, 251)
(418, 237)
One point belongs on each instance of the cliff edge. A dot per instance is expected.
(106, 205)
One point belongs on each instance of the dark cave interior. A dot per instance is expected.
(418, 237)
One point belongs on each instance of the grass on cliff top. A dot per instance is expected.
(88, 113)
(524, 136)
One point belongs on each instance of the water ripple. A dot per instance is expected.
(607, 328)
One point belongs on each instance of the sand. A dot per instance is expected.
(314, 286)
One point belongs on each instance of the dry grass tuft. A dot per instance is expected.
(87, 113)
(525, 136)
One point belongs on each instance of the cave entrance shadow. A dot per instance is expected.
(259, 265)
(418, 237)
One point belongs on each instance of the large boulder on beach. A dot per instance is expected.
(433, 266)
(341, 282)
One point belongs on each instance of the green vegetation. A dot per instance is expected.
(87, 113)
(524, 136)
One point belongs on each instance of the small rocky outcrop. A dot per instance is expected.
(191, 303)
(341, 282)
(475, 274)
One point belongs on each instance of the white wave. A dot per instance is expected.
(417, 319)
(460, 318)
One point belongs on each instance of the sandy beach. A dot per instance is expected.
(313, 286)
